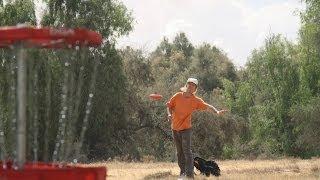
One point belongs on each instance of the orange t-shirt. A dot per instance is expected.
(182, 108)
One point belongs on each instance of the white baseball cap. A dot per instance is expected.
(193, 80)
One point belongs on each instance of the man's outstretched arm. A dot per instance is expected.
(215, 110)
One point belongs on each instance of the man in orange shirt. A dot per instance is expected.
(179, 108)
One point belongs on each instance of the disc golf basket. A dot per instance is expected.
(19, 39)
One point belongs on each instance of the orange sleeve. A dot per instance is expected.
(172, 102)
(201, 105)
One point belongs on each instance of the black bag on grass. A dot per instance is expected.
(206, 167)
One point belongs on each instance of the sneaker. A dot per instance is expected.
(182, 173)
(190, 176)
(181, 177)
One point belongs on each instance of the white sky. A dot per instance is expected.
(235, 26)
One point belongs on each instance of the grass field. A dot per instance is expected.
(230, 169)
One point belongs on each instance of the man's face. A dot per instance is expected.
(191, 87)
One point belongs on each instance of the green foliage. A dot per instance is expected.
(110, 18)
(306, 122)
(181, 43)
(278, 85)
(310, 49)
(17, 12)
(108, 121)
(273, 77)
(211, 66)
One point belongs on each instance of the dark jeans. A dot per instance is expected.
(182, 140)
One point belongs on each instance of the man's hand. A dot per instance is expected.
(221, 112)
(169, 112)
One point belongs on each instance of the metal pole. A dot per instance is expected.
(21, 122)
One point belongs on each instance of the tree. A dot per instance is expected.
(274, 80)
(310, 49)
(181, 43)
(17, 12)
(111, 19)
(306, 119)
(211, 65)
(108, 120)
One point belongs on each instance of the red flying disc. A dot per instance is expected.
(155, 97)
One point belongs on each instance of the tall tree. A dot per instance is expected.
(310, 48)
(182, 43)
(111, 19)
(273, 77)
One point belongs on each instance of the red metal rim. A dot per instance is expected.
(48, 37)
(49, 171)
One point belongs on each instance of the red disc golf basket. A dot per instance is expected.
(21, 38)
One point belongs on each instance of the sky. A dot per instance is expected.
(235, 26)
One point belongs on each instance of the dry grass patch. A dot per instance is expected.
(230, 169)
